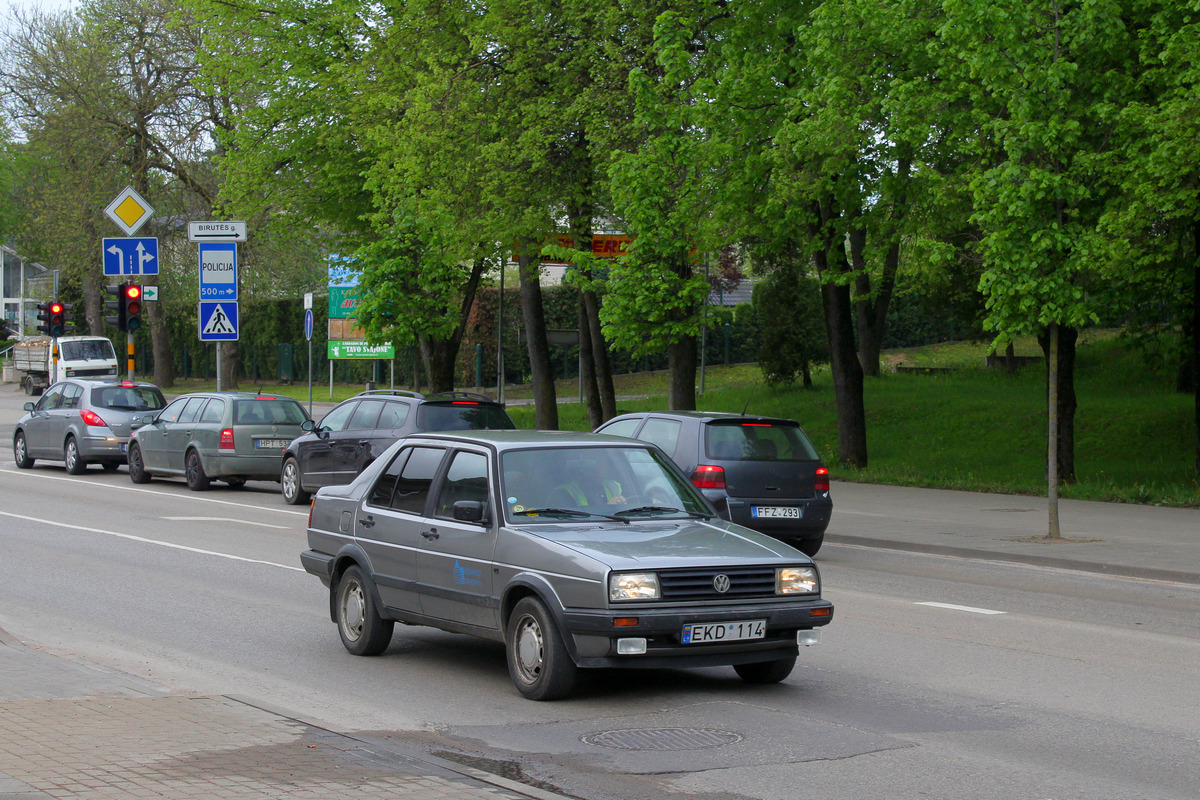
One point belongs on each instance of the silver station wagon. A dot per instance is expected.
(575, 550)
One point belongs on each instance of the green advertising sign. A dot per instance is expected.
(352, 349)
(343, 302)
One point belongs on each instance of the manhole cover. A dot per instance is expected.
(662, 739)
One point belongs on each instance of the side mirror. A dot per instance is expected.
(307, 425)
(28, 406)
(470, 511)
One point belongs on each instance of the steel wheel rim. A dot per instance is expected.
(353, 610)
(19, 448)
(135, 459)
(72, 454)
(529, 649)
(193, 468)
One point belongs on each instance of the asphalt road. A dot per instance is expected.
(1018, 682)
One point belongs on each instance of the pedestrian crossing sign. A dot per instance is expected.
(218, 321)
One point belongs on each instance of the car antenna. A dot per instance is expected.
(746, 407)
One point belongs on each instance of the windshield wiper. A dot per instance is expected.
(665, 510)
(567, 512)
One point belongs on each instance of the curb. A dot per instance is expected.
(1057, 562)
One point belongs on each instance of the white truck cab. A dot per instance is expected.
(92, 357)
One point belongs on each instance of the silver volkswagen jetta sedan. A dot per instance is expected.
(575, 550)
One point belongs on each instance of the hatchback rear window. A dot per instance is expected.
(757, 441)
(268, 411)
(128, 398)
(462, 416)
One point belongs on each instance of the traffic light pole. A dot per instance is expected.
(129, 360)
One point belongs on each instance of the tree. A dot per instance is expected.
(1046, 78)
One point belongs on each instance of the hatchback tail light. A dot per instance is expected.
(708, 476)
(822, 480)
(92, 418)
(227, 439)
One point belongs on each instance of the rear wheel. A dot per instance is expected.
(538, 660)
(289, 479)
(137, 467)
(765, 671)
(811, 545)
(193, 472)
(363, 631)
(21, 452)
(75, 464)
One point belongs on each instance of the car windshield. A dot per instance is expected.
(128, 398)
(88, 350)
(462, 415)
(268, 411)
(757, 441)
(573, 483)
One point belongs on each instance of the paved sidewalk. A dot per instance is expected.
(1110, 538)
(73, 730)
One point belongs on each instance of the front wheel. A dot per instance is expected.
(363, 631)
(765, 671)
(193, 472)
(21, 452)
(137, 467)
(75, 464)
(289, 480)
(538, 661)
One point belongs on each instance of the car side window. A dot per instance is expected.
(71, 394)
(172, 412)
(51, 399)
(214, 411)
(412, 487)
(624, 427)
(466, 479)
(365, 415)
(336, 420)
(662, 432)
(385, 484)
(192, 409)
(394, 415)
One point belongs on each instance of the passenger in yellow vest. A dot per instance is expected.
(585, 490)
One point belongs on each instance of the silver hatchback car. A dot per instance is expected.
(577, 551)
(82, 422)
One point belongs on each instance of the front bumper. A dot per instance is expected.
(593, 636)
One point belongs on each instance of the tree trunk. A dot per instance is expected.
(843, 357)
(1054, 530)
(681, 358)
(544, 396)
(231, 361)
(1195, 359)
(872, 308)
(587, 368)
(1067, 401)
(439, 356)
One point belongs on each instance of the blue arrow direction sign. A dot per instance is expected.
(218, 271)
(135, 256)
(308, 324)
(218, 320)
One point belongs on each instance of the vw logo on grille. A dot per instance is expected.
(721, 584)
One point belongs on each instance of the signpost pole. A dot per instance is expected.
(218, 344)
(310, 377)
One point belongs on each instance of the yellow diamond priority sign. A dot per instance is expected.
(129, 210)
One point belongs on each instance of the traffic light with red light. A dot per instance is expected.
(53, 318)
(131, 303)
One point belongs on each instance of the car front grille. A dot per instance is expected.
(699, 584)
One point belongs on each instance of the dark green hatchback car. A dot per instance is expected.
(229, 436)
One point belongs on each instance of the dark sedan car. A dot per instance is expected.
(228, 436)
(356, 431)
(761, 472)
(81, 422)
(575, 550)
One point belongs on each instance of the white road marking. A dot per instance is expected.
(42, 475)
(229, 519)
(144, 540)
(954, 607)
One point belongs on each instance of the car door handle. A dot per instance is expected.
(430, 534)
(369, 522)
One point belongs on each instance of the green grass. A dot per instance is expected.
(972, 429)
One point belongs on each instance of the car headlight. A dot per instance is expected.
(633, 586)
(797, 580)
